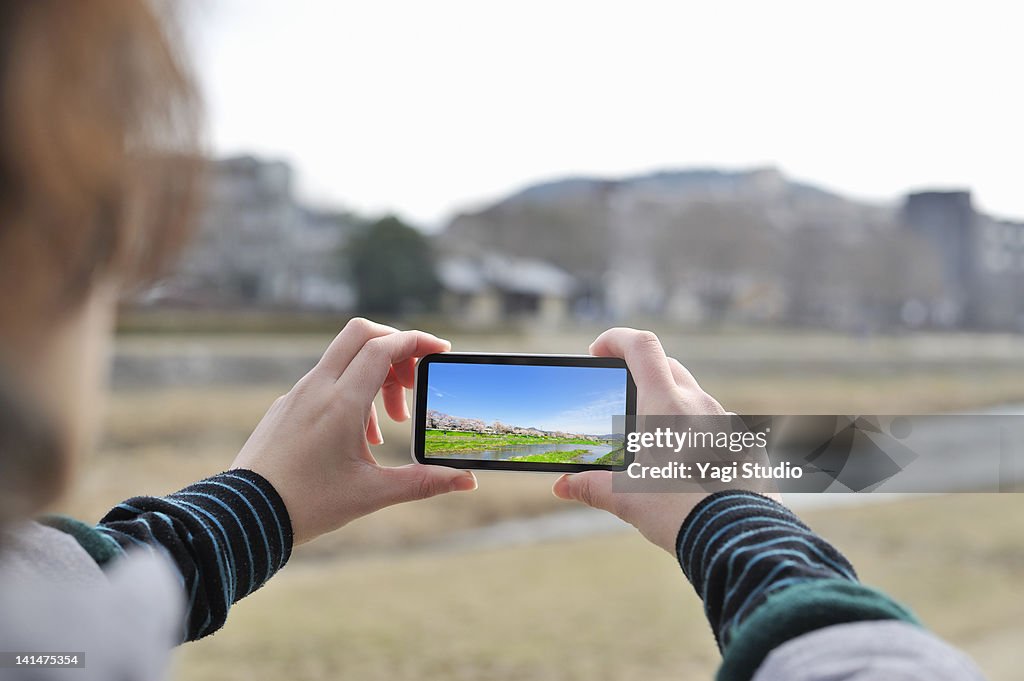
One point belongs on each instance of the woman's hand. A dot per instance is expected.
(313, 443)
(664, 387)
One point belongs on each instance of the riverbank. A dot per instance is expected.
(184, 404)
(450, 444)
(438, 441)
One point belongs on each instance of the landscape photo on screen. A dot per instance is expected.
(525, 413)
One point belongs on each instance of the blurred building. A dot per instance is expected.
(490, 289)
(999, 288)
(257, 245)
(946, 221)
(982, 261)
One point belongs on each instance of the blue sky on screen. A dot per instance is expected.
(573, 399)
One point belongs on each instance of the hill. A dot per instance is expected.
(703, 243)
(582, 224)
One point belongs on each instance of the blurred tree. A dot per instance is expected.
(393, 268)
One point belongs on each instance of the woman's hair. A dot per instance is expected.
(99, 165)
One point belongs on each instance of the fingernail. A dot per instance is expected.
(464, 483)
(561, 484)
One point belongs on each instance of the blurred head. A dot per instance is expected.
(98, 178)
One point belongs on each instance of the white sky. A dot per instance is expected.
(426, 107)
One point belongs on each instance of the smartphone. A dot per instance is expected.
(556, 413)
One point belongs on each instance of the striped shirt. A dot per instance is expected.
(765, 578)
(227, 535)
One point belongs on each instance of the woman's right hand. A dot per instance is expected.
(313, 445)
(664, 387)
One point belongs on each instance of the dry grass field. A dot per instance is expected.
(611, 607)
(380, 600)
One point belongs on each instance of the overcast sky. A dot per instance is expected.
(426, 108)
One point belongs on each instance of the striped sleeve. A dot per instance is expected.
(766, 578)
(739, 547)
(227, 535)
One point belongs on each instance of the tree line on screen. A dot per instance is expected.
(437, 420)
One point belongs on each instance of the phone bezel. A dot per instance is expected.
(518, 359)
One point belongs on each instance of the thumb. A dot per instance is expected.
(593, 488)
(416, 481)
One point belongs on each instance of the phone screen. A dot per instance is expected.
(522, 412)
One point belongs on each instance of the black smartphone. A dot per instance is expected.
(556, 413)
